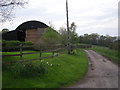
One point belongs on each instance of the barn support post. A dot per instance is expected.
(21, 53)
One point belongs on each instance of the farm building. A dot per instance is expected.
(27, 31)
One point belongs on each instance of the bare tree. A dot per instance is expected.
(7, 8)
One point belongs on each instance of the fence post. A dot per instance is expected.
(20, 52)
(40, 53)
(56, 53)
(53, 54)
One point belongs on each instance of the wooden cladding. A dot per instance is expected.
(34, 35)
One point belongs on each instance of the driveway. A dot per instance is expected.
(102, 73)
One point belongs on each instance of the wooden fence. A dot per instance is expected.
(39, 50)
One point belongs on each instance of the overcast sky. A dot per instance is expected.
(90, 16)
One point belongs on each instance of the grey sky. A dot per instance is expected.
(90, 16)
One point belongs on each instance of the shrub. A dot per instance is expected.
(5, 66)
(27, 70)
(10, 43)
(13, 45)
(50, 37)
(27, 43)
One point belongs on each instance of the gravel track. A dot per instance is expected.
(102, 73)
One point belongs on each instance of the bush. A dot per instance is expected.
(27, 70)
(10, 43)
(27, 43)
(5, 66)
(50, 37)
(115, 45)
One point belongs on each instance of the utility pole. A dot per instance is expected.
(68, 30)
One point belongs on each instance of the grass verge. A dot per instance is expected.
(61, 71)
(111, 54)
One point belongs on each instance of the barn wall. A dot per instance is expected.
(11, 35)
(33, 35)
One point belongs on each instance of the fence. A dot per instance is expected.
(39, 50)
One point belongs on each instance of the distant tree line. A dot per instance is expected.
(101, 40)
(92, 39)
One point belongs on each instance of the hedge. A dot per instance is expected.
(13, 45)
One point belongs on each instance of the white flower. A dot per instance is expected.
(42, 60)
(47, 62)
(50, 64)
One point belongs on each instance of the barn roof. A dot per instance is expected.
(31, 25)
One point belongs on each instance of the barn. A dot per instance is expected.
(27, 31)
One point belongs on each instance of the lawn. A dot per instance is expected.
(109, 53)
(65, 70)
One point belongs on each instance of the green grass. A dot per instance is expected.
(66, 70)
(111, 54)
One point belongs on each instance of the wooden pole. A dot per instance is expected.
(53, 54)
(69, 47)
(40, 52)
(20, 52)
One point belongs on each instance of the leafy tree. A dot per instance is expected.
(73, 27)
(74, 36)
(101, 40)
(108, 40)
(63, 34)
(94, 38)
(115, 45)
(86, 39)
(81, 39)
(50, 37)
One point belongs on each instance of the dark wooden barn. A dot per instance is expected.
(27, 31)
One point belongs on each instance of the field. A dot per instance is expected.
(62, 71)
(109, 53)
